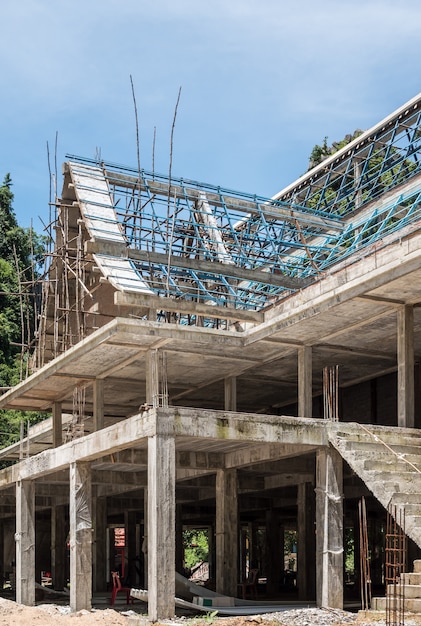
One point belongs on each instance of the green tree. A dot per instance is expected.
(196, 547)
(21, 254)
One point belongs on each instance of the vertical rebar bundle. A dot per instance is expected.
(395, 566)
(331, 393)
(76, 427)
(365, 573)
(159, 379)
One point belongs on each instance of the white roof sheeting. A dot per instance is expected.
(97, 209)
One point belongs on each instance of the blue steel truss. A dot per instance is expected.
(222, 247)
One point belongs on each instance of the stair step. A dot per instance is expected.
(367, 446)
(413, 510)
(378, 604)
(411, 605)
(373, 453)
(390, 465)
(389, 437)
(384, 486)
(413, 521)
(404, 479)
(408, 591)
(417, 566)
(405, 498)
(412, 578)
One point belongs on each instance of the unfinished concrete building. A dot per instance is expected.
(212, 359)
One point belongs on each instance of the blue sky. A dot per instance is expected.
(262, 82)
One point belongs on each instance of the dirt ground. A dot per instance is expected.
(13, 614)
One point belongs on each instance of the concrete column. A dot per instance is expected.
(274, 558)
(2, 560)
(57, 425)
(405, 347)
(99, 554)
(226, 532)
(282, 551)
(145, 538)
(152, 315)
(179, 548)
(212, 552)
(149, 378)
(58, 546)
(80, 536)
(98, 403)
(329, 529)
(305, 381)
(306, 542)
(230, 393)
(25, 542)
(161, 521)
(130, 531)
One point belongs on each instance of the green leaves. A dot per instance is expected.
(19, 249)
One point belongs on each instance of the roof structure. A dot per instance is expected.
(200, 243)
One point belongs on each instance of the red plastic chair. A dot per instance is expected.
(118, 587)
(249, 586)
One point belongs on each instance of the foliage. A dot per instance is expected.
(210, 616)
(21, 253)
(349, 551)
(196, 547)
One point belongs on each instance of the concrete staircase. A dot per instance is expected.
(409, 589)
(388, 460)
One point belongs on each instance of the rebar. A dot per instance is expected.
(395, 566)
(331, 393)
(365, 569)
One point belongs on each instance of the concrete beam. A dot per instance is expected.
(122, 435)
(133, 458)
(264, 452)
(247, 428)
(286, 480)
(139, 300)
(374, 270)
(200, 460)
